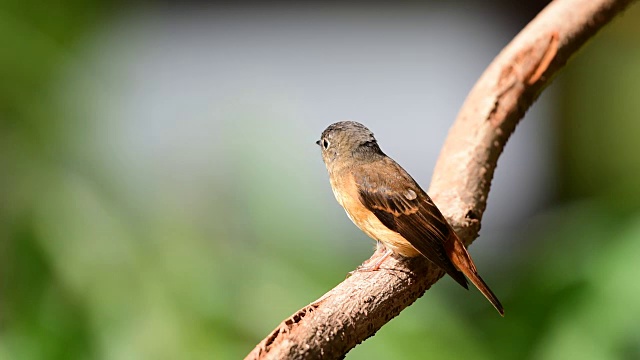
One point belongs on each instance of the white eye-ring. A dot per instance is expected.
(325, 144)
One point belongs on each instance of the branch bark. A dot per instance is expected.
(356, 308)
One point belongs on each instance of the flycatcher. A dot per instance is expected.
(384, 201)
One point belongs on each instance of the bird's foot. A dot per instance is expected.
(375, 266)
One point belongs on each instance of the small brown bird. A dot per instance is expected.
(384, 201)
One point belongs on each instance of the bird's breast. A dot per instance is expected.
(346, 192)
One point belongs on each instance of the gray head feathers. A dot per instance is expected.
(347, 134)
(356, 132)
(350, 139)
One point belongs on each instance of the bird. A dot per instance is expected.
(388, 205)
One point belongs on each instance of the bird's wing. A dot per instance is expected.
(402, 206)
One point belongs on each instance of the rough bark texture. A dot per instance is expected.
(359, 306)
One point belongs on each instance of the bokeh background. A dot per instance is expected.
(161, 195)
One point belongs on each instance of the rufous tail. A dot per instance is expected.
(462, 261)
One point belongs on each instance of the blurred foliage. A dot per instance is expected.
(87, 274)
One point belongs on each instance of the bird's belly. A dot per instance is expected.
(373, 227)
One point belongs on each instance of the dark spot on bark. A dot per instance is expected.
(472, 215)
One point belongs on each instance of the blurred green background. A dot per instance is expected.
(161, 196)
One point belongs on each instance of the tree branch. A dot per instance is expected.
(356, 308)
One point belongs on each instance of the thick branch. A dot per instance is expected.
(359, 306)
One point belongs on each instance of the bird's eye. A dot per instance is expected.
(325, 144)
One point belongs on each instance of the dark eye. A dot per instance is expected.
(325, 144)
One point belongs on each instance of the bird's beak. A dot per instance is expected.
(318, 142)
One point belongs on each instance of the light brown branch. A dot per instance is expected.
(359, 306)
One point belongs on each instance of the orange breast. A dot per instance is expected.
(346, 193)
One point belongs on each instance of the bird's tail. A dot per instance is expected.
(463, 262)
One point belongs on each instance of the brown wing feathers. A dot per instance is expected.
(412, 214)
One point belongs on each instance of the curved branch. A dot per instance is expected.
(359, 306)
